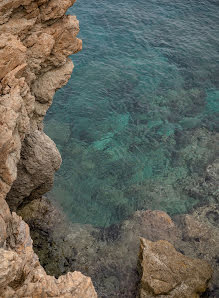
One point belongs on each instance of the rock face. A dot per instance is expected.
(166, 272)
(21, 274)
(36, 38)
(39, 160)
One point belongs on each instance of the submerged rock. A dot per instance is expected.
(166, 272)
(110, 255)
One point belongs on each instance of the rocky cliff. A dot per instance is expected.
(36, 38)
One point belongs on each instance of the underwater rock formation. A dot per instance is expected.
(110, 255)
(168, 272)
(36, 38)
(101, 253)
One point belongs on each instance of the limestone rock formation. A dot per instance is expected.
(168, 273)
(36, 38)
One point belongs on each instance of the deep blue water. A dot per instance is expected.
(136, 123)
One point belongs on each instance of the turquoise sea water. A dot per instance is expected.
(136, 123)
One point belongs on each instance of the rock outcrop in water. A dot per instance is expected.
(168, 272)
(110, 255)
(36, 38)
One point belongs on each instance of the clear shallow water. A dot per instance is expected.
(136, 123)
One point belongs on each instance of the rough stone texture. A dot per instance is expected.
(39, 160)
(166, 272)
(21, 274)
(36, 38)
(200, 235)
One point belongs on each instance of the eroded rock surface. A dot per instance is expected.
(39, 160)
(166, 272)
(36, 38)
(21, 274)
